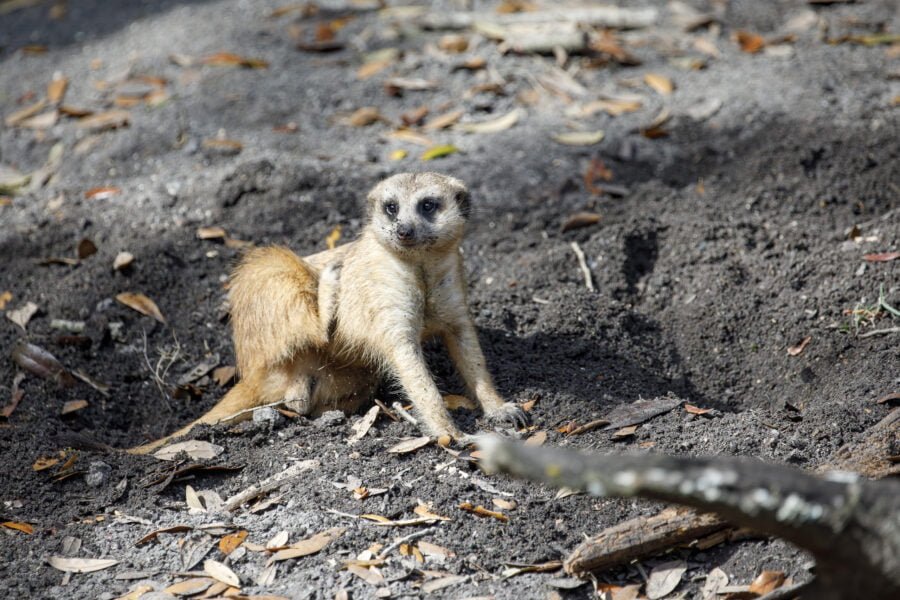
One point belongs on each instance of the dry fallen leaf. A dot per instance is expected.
(72, 406)
(220, 572)
(409, 445)
(407, 135)
(190, 587)
(579, 138)
(85, 248)
(494, 125)
(44, 462)
(81, 565)
(362, 117)
(123, 260)
(799, 348)
(24, 114)
(579, 220)
(749, 42)
(22, 315)
(440, 583)
(694, 410)
(766, 582)
(230, 542)
(660, 83)
(424, 510)
(211, 233)
(141, 304)
(36, 360)
(23, 527)
(41, 121)
(483, 512)
(664, 578)
(56, 89)
(228, 59)
(443, 121)
(102, 193)
(223, 146)
(624, 432)
(5, 297)
(454, 43)
(370, 576)
(882, 256)
(430, 549)
(196, 449)
(415, 116)
(439, 151)
(504, 504)
(309, 546)
(362, 426)
(111, 119)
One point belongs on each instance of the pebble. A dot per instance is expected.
(330, 418)
(98, 474)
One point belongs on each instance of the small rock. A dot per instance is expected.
(116, 332)
(267, 414)
(98, 474)
(330, 418)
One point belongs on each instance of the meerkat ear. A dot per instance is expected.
(464, 202)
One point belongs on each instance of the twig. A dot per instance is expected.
(886, 331)
(404, 413)
(268, 484)
(579, 254)
(399, 542)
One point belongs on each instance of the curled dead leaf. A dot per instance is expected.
(493, 125)
(766, 582)
(579, 138)
(102, 193)
(365, 116)
(211, 233)
(749, 42)
(481, 511)
(73, 406)
(580, 220)
(660, 83)
(142, 304)
(23, 527)
(81, 565)
(881, 256)
(409, 445)
(229, 59)
(123, 260)
(221, 572)
(36, 360)
(537, 439)
(111, 119)
(800, 347)
(232, 541)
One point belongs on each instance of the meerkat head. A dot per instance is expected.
(418, 211)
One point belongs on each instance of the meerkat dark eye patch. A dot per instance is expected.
(428, 206)
(391, 208)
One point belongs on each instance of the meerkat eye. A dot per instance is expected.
(428, 205)
(390, 208)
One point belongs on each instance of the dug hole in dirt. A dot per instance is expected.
(729, 171)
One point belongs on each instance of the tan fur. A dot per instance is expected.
(318, 333)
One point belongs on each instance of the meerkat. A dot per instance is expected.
(320, 332)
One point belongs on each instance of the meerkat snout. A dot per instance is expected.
(418, 211)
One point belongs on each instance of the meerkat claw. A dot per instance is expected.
(511, 414)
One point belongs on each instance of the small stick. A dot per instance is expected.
(268, 484)
(404, 413)
(887, 331)
(579, 254)
(590, 426)
(399, 542)
(387, 411)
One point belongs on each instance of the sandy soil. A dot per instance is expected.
(732, 238)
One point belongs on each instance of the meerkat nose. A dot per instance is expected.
(405, 231)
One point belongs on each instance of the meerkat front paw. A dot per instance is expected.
(509, 413)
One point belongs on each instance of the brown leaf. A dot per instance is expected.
(475, 63)
(800, 347)
(141, 304)
(374, 67)
(56, 89)
(889, 398)
(430, 549)
(493, 125)
(694, 410)
(624, 432)
(44, 462)
(210, 233)
(230, 542)
(766, 582)
(504, 504)
(483, 512)
(111, 119)
(5, 297)
(579, 220)
(22, 315)
(882, 256)
(370, 576)
(223, 146)
(443, 121)
(407, 135)
(23, 527)
(365, 116)
(85, 248)
(362, 426)
(424, 510)
(579, 138)
(81, 565)
(749, 42)
(660, 83)
(409, 445)
(15, 397)
(332, 239)
(453, 43)
(196, 449)
(42, 121)
(223, 375)
(38, 361)
(23, 114)
(589, 426)
(414, 116)
(228, 59)
(72, 406)
(102, 193)
(596, 169)
(73, 111)
(309, 546)
(529, 405)
(220, 572)
(190, 587)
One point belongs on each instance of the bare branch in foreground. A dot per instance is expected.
(849, 524)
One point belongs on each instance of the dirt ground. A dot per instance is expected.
(728, 234)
